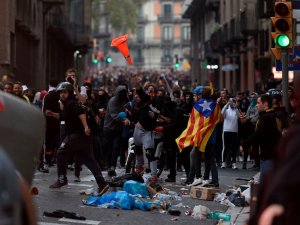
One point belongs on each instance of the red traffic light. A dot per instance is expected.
(282, 9)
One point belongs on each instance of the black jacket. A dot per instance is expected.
(267, 134)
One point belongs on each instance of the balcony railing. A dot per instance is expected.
(75, 33)
(249, 24)
(166, 19)
(265, 8)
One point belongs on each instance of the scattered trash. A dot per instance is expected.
(188, 212)
(34, 191)
(200, 212)
(134, 188)
(175, 219)
(63, 213)
(160, 196)
(180, 205)
(174, 212)
(219, 215)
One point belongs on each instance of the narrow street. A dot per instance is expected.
(68, 198)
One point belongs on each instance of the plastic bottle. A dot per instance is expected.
(218, 215)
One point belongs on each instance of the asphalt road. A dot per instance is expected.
(68, 198)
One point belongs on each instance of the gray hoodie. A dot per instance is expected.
(112, 120)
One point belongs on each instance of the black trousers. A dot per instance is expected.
(230, 146)
(80, 147)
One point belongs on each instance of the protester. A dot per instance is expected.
(278, 199)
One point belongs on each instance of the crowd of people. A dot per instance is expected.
(92, 124)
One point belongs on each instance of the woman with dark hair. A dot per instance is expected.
(278, 199)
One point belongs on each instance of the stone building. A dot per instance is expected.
(40, 39)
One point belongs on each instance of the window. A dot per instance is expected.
(167, 55)
(140, 34)
(167, 10)
(186, 33)
(167, 33)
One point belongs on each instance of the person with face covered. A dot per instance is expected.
(113, 127)
(152, 117)
(231, 116)
(249, 121)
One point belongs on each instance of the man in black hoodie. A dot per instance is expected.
(77, 142)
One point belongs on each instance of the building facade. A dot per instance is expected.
(234, 34)
(41, 39)
(161, 34)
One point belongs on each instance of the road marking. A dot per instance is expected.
(90, 222)
(80, 185)
(45, 223)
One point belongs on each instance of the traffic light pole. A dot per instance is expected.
(285, 77)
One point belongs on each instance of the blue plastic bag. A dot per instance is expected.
(135, 188)
(120, 199)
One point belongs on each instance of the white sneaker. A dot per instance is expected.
(234, 166)
(205, 182)
(196, 182)
(223, 165)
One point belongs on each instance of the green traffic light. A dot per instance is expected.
(95, 61)
(177, 65)
(283, 40)
(109, 60)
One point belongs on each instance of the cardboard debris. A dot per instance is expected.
(203, 193)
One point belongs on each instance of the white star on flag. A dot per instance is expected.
(206, 105)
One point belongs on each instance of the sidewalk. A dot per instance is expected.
(240, 215)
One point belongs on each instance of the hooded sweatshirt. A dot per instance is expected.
(114, 106)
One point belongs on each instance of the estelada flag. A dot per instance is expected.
(204, 117)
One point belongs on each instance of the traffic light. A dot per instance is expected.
(108, 59)
(283, 25)
(176, 61)
(95, 58)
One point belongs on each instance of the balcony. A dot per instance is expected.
(248, 24)
(58, 24)
(216, 39)
(235, 31)
(212, 4)
(139, 61)
(265, 9)
(102, 33)
(82, 35)
(142, 19)
(167, 60)
(166, 19)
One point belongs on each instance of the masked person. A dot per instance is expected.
(113, 127)
(77, 142)
(249, 121)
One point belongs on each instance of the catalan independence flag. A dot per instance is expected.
(204, 117)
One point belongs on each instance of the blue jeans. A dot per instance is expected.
(264, 166)
(195, 167)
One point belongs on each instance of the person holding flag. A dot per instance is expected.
(200, 134)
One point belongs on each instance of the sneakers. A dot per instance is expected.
(102, 189)
(212, 185)
(205, 182)
(59, 183)
(196, 182)
(44, 169)
(77, 179)
(223, 166)
(234, 166)
(170, 179)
